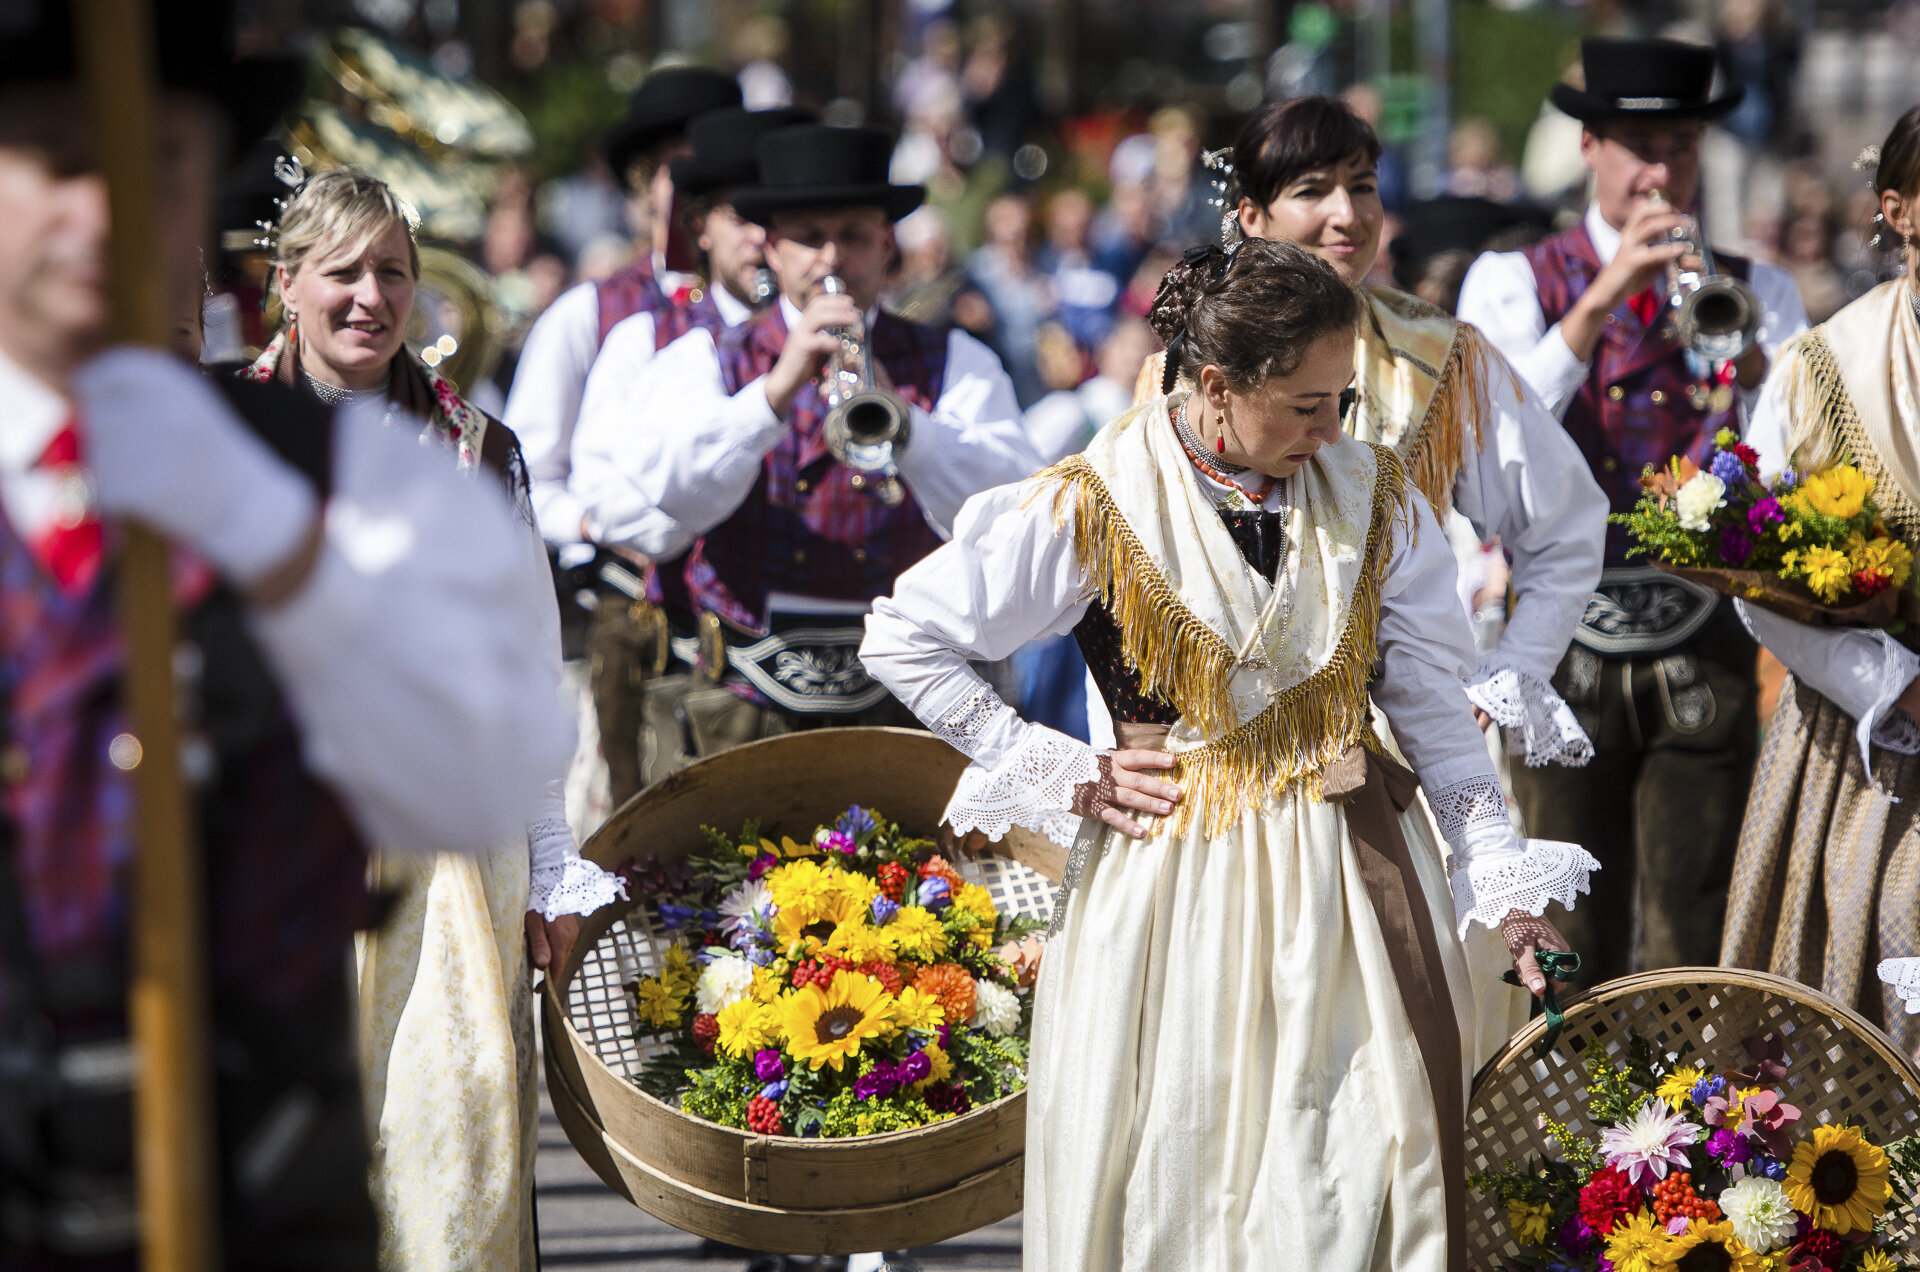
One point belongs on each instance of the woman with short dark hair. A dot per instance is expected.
(1250, 1023)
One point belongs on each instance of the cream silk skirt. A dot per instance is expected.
(1224, 1073)
(447, 1061)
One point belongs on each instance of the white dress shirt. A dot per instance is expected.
(698, 458)
(1501, 297)
(414, 628)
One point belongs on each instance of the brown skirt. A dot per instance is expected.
(1827, 880)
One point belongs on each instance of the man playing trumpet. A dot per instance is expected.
(1661, 673)
(790, 535)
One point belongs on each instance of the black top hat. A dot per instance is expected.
(723, 147)
(817, 165)
(661, 107)
(1645, 79)
(193, 44)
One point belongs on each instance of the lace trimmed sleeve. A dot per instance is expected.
(1022, 774)
(1539, 725)
(1904, 975)
(560, 880)
(1494, 871)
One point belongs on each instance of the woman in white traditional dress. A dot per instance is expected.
(1475, 440)
(1251, 1044)
(1826, 882)
(446, 1015)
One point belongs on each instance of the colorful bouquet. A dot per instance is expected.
(1812, 546)
(849, 984)
(1701, 1170)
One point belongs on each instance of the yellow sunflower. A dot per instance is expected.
(810, 922)
(1838, 1180)
(746, 1026)
(828, 1026)
(1634, 1244)
(917, 1009)
(918, 934)
(1677, 1087)
(1717, 1248)
(657, 1003)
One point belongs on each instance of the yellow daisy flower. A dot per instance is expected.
(918, 934)
(746, 1026)
(978, 902)
(860, 942)
(1529, 1223)
(677, 968)
(828, 1026)
(1724, 1250)
(941, 1071)
(1840, 491)
(1678, 1086)
(1838, 1180)
(767, 985)
(857, 888)
(1828, 572)
(917, 1009)
(1633, 1244)
(798, 884)
(1877, 1261)
(657, 1004)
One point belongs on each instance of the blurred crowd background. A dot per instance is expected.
(1063, 141)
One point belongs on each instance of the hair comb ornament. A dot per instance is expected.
(1224, 179)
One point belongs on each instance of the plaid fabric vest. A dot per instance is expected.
(1646, 398)
(810, 525)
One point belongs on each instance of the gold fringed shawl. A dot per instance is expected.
(1268, 693)
(1848, 389)
(1423, 380)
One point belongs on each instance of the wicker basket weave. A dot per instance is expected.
(1839, 1066)
(797, 1196)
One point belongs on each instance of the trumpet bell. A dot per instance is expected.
(1719, 319)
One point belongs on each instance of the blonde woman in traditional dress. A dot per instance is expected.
(1826, 883)
(1474, 439)
(446, 1015)
(1253, 1022)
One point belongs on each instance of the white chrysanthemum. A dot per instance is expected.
(996, 1008)
(1647, 1144)
(1700, 497)
(726, 981)
(746, 904)
(1761, 1215)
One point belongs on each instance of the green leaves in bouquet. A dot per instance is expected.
(992, 1066)
(1616, 1089)
(667, 1073)
(717, 1091)
(722, 862)
(1903, 1161)
(1656, 530)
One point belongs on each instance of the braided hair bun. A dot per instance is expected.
(1252, 310)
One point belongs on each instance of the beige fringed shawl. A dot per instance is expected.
(1422, 378)
(1850, 392)
(1271, 682)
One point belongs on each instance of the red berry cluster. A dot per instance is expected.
(819, 971)
(706, 1031)
(1674, 1196)
(893, 880)
(763, 1117)
(887, 974)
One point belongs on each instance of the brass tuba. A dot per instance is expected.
(1715, 315)
(865, 424)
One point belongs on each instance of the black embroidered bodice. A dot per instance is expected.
(1259, 538)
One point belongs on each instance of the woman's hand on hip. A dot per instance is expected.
(1126, 784)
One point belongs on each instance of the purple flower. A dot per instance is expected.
(1706, 1088)
(1785, 482)
(773, 1090)
(946, 1037)
(884, 909)
(1765, 514)
(760, 865)
(935, 895)
(1727, 467)
(760, 956)
(855, 822)
(834, 841)
(767, 1065)
(883, 1079)
(1730, 1148)
(1735, 546)
(915, 1068)
(1575, 1238)
(674, 917)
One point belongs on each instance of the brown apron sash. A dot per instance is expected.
(1374, 790)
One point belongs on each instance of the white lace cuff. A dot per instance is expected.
(1904, 975)
(1032, 786)
(1539, 725)
(574, 886)
(980, 726)
(1489, 885)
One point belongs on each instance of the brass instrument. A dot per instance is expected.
(455, 324)
(403, 92)
(1715, 315)
(865, 424)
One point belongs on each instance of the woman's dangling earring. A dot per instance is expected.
(1220, 444)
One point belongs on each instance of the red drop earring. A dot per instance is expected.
(1220, 444)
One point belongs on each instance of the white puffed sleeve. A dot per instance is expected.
(1425, 648)
(1006, 577)
(1527, 484)
(1859, 670)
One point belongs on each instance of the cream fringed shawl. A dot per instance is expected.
(1422, 379)
(1271, 682)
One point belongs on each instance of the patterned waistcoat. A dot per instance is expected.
(811, 525)
(285, 867)
(1646, 399)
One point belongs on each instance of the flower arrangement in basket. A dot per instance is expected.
(849, 984)
(1696, 1170)
(1811, 547)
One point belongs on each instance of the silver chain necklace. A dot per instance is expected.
(337, 395)
(1193, 443)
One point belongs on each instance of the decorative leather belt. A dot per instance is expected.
(807, 664)
(1641, 610)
